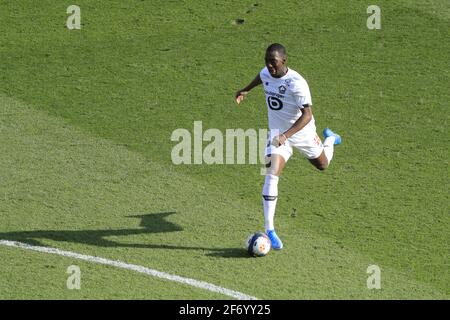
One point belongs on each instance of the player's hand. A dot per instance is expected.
(240, 96)
(279, 140)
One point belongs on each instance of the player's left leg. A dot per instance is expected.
(323, 161)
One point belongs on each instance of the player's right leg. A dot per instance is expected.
(274, 166)
(276, 158)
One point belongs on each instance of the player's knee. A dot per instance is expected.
(321, 163)
(322, 166)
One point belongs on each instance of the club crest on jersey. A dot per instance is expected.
(282, 89)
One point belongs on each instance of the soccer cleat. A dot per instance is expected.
(276, 242)
(328, 133)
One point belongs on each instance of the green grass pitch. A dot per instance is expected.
(86, 118)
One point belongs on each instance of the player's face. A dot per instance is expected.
(275, 63)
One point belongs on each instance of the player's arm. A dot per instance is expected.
(243, 92)
(298, 125)
(301, 122)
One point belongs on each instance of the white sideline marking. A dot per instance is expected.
(133, 267)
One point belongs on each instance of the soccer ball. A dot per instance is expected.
(258, 244)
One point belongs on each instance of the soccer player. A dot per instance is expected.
(291, 125)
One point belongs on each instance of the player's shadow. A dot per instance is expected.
(150, 223)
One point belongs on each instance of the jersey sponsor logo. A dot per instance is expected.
(271, 93)
(274, 103)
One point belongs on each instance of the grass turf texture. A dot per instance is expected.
(86, 120)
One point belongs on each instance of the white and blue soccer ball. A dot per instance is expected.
(258, 244)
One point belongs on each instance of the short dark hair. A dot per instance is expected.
(276, 47)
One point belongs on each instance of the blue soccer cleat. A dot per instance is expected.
(328, 133)
(276, 242)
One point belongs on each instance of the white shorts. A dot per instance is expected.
(306, 141)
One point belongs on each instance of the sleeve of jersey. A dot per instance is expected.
(262, 72)
(301, 93)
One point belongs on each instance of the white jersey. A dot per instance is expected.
(285, 98)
